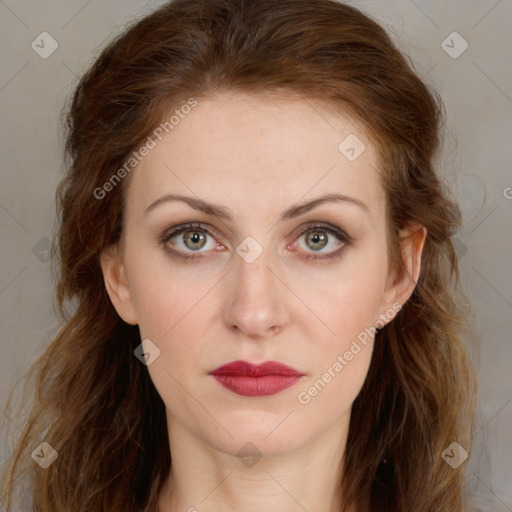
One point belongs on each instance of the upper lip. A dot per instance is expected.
(245, 369)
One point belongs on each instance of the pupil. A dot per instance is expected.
(317, 238)
(195, 238)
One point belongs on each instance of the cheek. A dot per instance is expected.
(174, 311)
(164, 294)
(335, 386)
(174, 322)
(340, 362)
(344, 301)
(341, 356)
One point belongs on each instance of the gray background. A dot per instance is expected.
(476, 87)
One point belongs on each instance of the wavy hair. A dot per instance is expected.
(96, 405)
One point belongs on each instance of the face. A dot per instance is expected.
(264, 281)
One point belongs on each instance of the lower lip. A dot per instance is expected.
(256, 386)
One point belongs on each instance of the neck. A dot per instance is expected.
(204, 478)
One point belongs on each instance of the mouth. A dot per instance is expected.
(249, 379)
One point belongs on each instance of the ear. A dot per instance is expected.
(116, 283)
(401, 284)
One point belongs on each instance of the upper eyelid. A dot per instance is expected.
(179, 229)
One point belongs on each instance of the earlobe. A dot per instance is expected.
(116, 284)
(401, 285)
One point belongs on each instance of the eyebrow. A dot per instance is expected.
(223, 212)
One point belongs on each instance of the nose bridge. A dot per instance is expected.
(255, 302)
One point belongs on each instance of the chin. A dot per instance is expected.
(263, 433)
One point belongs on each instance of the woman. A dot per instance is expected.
(258, 248)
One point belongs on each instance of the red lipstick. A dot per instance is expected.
(248, 379)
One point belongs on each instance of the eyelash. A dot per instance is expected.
(338, 233)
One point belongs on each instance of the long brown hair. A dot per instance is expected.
(95, 404)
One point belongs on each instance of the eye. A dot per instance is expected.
(189, 237)
(193, 238)
(319, 237)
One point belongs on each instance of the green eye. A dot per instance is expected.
(192, 238)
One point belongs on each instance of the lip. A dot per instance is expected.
(249, 379)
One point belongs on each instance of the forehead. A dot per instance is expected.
(263, 153)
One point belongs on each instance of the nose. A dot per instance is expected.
(256, 298)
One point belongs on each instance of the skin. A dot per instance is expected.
(257, 156)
